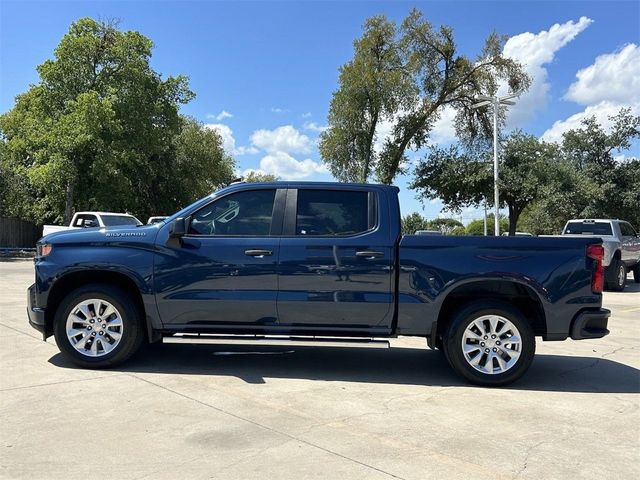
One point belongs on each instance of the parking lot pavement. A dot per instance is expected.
(180, 411)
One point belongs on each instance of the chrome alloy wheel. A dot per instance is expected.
(622, 275)
(94, 327)
(491, 344)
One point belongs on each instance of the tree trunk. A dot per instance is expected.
(68, 205)
(371, 134)
(514, 215)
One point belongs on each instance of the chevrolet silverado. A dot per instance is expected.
(313, 264)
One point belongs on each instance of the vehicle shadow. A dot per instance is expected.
(407, 366)
(631, 286)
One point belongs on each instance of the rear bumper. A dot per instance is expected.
(590, 324)
(36, 315)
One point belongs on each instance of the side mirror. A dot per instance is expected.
(178, 228)
(90, 223)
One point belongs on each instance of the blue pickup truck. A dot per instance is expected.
(313, 263)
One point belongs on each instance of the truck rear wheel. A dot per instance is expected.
(98, 326)
(490, 343)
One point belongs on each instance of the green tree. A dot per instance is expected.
(566, 193)
(591, 149)
(627, 201)
(459, 178)
(405, 76)
(588, 180)
(93, 131)
(444, 225)
(527, 166)
(413, 222)
(373, 86)
(476, 227)
(256, 177)
(196, 165)
(13, 187)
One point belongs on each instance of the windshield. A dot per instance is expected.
(588, 228)
(113, 220)
(195, 205)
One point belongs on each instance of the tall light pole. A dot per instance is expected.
(496, 102)
(485, 217)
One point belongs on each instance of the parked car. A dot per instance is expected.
(156, 219)
(93, 219)
(314, 263)
(621, 247)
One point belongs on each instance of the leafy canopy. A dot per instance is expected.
(102, 130)
(402, 77)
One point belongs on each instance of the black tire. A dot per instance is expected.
(454, 336)
(133, 328)
(636, 273)
(617, 275)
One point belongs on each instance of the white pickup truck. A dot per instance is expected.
(93, 219)
(621, 247)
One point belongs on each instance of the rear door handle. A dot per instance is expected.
(369, 254)
(258, 253)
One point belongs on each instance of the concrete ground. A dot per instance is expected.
(200, 412)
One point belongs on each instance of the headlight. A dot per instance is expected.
(43, 249)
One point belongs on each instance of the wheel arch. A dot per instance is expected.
(517, 294)
(72, 280)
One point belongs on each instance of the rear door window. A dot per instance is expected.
(334, 212)
(627, 230)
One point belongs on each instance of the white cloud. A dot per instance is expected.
(286, 167)
(613, 77)
(444, 129)
(601, 111)
(279, 110)
(224, 114)
(282, 139)
(612, 82)
(384, 128)
(278, 144)
(534, 51)
(314, 127)
(220, 116)
(250, 150)
(228, 140)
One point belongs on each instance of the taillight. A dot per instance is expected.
(596, 252)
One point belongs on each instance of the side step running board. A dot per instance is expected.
(277, 340)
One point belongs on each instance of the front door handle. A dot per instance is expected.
(258, 253)
(370, 254)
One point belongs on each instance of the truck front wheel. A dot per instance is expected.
(98, 326)
(490, 343)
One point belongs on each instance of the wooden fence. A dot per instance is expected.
(16, 233)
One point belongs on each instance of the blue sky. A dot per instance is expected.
(272, 66)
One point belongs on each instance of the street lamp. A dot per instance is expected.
(495, 102)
